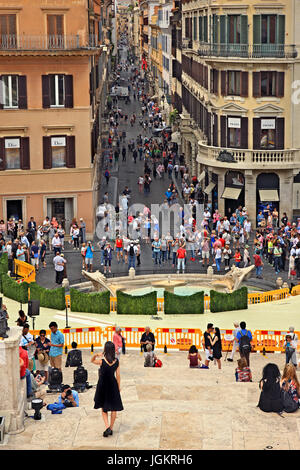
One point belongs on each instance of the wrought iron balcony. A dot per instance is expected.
(249, 51)
(47, 42)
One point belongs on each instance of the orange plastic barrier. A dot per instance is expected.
(178, 338)
(160, 304)
(84, 337)
(227, 339)
(68, 301)
(206, 302)
(270, 296)
(132, 335)
(296, 290)
(25, 270)
(113, 304)
(271, 340)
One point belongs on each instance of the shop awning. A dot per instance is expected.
(268, 195)
(202, 176)
(231, 193)
(209, 188)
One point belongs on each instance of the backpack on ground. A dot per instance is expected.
(74, 358)
(158, 363)
(245, 343)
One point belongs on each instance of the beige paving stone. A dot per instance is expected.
(139, 431)
(89, 433)
(259, 440)
(238, 440)
(181, 430)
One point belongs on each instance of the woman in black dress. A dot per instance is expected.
(216, 343)
(107, 394)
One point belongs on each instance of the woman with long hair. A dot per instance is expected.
(270, 397)
(216, 343)
(289, 382)
(107, 394)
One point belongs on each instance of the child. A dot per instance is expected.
(246, 257)
(289, 350)
(227, 256)
(83, 252)
(243, 372)
(149, 356)
(237, 257)
(74, 358)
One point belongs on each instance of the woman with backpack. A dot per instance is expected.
(270, 399)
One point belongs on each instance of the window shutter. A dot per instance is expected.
(69, 91)
(256, 29)
(244, 84)
(46, 90)
(22, 85)
(280, 133)
(200, 28)
(47, 153)
(215, 30)
(215, 82)
(25, 155)
(256, 133)
(244, 133)
(256, 78)
(2, 155)
(280, 29)
(215, 130)
(244, 29)
(205, 30)
(70, 163)
(223, 83)
(223, 131)
(280, 84)
(223, 29)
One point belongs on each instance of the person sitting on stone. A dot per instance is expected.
(149, 356)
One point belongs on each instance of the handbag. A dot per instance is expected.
(289, 405)
(158, 363)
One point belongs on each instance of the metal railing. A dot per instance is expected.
(47, 42)
(249, 51)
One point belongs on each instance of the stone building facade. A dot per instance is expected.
(240, 64)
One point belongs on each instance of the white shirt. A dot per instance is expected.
(59, 262)
(56, 241)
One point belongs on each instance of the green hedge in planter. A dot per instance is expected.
(220, 302)
(49, 298)
(95, 302)
(13, 290)
(3, 266)
(183, 304)
(136, 304)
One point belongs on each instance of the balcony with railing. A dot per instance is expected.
(13, 42)
(249, 159)
(248, 51)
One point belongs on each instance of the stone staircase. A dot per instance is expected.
(169, 408)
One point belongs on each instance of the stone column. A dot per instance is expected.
(286, 193)
(193, 159)
(12, 388)
(221, 186)
(250, 196)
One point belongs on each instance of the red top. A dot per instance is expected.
(193, 360)
(257, 260)
(119, 242)
(181, 252)
(24, 356)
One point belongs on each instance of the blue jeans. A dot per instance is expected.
(218, 263)
(157, 257)
(131, 262)
(258, 271)
(102, 256)
(28, 383)
(277, 263)
(164, 256)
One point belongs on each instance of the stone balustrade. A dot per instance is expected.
(249, 159)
